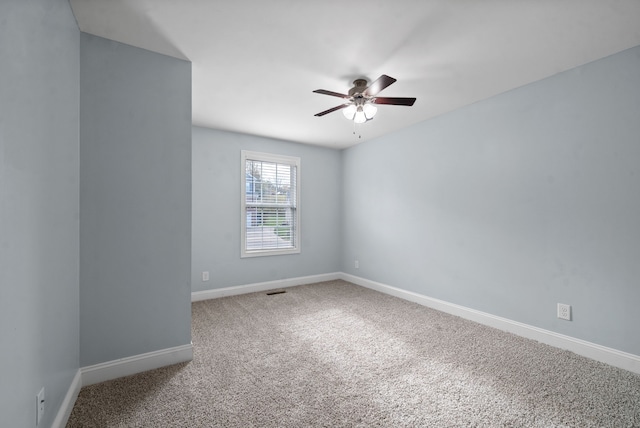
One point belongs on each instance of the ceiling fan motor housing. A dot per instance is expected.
(359, 86)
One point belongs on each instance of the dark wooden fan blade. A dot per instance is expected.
(331, 110)
(333, 94)
(382, 82)
(395, 101)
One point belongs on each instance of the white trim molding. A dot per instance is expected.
(70, 397)
(590, 350)
(135, 364)
(197, 296)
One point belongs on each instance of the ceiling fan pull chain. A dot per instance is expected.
(354, 130)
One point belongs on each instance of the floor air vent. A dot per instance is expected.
(271, 293)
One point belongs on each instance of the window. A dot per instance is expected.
(270, 204)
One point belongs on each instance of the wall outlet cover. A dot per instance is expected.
(564, 311)
(39, 406)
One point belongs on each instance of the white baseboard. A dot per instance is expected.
(69, 400)
(594, 351)
(262, 286)
(135, 364)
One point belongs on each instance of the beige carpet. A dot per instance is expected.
(337, 355)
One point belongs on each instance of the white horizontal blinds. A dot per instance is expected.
(270, 205)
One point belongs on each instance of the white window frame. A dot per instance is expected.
(279, 159)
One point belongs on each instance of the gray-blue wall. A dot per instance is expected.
(513, 204)
(39, 120)
(216, 211)
(135, 201)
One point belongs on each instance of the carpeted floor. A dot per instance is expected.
(335, 354)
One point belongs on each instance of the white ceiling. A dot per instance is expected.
(256, 62)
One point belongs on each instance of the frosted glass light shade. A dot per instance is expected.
(349, 112)
(360, 117)
(370, 110)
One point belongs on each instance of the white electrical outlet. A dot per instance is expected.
(205, 276)
(39, 406)
(564, 311)
(357, 264)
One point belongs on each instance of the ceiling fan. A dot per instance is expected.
(361, 99)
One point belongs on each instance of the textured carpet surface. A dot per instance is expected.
(337, 355)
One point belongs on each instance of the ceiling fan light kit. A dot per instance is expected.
(360, 113)
(360, 106)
